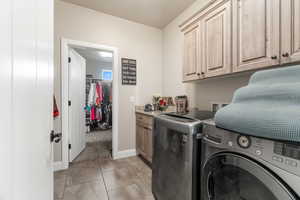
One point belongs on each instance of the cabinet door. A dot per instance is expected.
(256, 31)
(290, 31)
(190, 60)
(140, 140)
(148, 144)
(215, 41)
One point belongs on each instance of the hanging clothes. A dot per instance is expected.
(98, 114)
(98, 104)
(106, 91)
(99, 92)
(110, 93)
(91, 98)
(93, 113)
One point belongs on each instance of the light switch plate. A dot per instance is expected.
(132, 99)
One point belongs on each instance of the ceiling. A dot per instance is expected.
(157, 13)
(93, 54)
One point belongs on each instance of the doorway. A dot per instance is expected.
(98, 75)
(90, 101)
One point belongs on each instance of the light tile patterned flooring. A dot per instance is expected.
(95, 176)
(100, 135)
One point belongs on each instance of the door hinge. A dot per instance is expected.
(69, 59)
(51, 136)
(70, 146)
(69, 103)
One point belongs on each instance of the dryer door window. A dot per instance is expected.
(233, 177)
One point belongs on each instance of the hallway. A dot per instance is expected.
(98, 177)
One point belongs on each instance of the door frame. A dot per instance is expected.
(65, 45)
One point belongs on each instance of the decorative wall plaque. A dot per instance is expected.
(128, 71)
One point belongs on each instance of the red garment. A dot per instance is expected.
(55, 108)
(110, 94)
(93, 113)
(99, 91)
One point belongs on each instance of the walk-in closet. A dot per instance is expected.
(98, 104)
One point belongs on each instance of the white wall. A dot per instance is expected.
(134, 41)
(202, 92)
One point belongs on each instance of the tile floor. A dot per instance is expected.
(95, 176)
(99, 135)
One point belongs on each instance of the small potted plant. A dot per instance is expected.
(163, 106)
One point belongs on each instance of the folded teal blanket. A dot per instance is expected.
(268, 107)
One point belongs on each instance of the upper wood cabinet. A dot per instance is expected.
(255, 34)
(229, 36)
(191, 51)
(215, 41)
(290, 31)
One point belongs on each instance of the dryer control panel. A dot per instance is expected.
(284, 155)
(288, 154)
(291, 150)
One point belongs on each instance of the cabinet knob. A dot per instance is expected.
(198, 74)
(202, 73)
(274, 57)
(285, 55)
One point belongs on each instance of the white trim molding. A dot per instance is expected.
(65, 45)
(125, 154)
(58, 166)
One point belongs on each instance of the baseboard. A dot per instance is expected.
(125, 154)
(57, 166)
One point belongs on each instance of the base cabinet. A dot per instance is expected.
(140, 140)
(148, 144)
(144, 136)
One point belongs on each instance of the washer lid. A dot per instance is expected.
(194, 114)
(179, 118)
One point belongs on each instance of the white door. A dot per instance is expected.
(26, 84)
(77, 73)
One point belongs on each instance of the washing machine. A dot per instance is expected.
(241, 167)
(176, 155)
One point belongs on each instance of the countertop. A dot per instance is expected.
(140, 110)
(153, 113)
(209, 122)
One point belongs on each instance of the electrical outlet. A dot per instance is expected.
(223, 105)
(215, 106)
